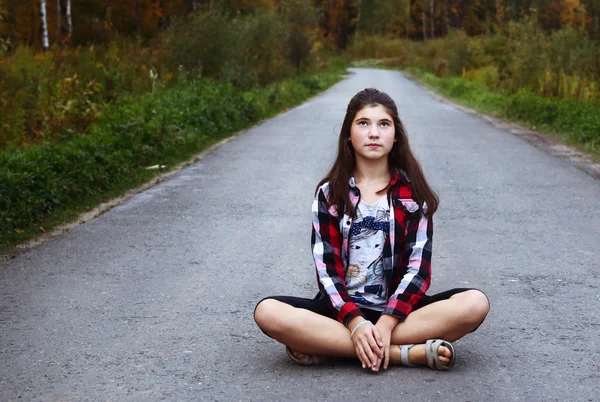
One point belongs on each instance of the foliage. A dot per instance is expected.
(55, 95)
(59, 94)
(161, 128)
(576, 122)
(565, 64)
(527, 61)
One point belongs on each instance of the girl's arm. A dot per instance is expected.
(326, 242)
(417, 260)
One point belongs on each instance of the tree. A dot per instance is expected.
(432, 18)
(340, 20)
(562, 13)
(383, 17)
(44, 18)
(58, 18)
(302, 19)
(69, 19)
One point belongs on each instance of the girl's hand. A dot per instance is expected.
(367, 343)
(386, 325)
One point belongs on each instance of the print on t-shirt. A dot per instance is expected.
(364, 278)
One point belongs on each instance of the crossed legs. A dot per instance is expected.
(307, 332)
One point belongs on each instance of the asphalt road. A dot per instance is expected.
(153, 300)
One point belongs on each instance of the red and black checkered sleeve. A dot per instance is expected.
(326, 243)
(416, 265)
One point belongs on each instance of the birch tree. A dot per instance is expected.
(69, 20)
(45, 40)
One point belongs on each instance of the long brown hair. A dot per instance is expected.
(400, 157)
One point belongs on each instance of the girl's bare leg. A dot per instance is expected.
(308, 332)
(303, 330)
(447, 319)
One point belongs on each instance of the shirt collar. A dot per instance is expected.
(399, 175)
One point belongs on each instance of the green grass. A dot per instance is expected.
(572, 122)
(52, 183)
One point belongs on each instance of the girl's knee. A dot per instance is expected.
(265, 313)
(476, 305)
(473, 308)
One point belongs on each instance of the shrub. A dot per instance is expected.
(160, 128)
(527, 57)
(457, 43)
(486, 76)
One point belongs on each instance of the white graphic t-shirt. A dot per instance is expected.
(364, 278)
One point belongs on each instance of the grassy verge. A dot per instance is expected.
(53, 182)
(572, 122)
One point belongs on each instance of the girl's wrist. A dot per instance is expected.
(360, 324)
(353, 322)
(388, 321)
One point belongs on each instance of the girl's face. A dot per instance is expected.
(372, 133)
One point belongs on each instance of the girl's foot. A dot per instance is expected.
(305, 359)
(441, 358)
(416, 354)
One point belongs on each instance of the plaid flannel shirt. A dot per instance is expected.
(406, 252)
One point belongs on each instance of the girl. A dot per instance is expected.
(371, 242)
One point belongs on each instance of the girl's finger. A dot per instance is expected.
(378, 337)
(387, 357)
(377, 365)
(375, 347)
(361, 355)
(369, 352)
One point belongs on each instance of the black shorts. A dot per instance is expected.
(319, 303)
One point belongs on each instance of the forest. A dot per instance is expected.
(62, 60)
(43, 23)
(94, 91)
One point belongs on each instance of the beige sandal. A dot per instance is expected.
(431, 352)
(305, 361)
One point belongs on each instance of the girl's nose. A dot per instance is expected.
(373, 132)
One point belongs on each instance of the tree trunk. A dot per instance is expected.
(160, 23)
(69, 19)
(12, 23)
(446, 19)
(138, 16)
(424, 25)
(358, 18)
(432, 17)
(499, 13)
(407, 28)
(212, 3)
(58, 17)
(513, 10)
(45, 40)
(194, 5)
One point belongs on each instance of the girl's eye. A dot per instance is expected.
(385, 124)
(362, 123)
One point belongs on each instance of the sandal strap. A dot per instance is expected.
(433, 359)
(429, 354)
(305, 361)
(404, 359)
